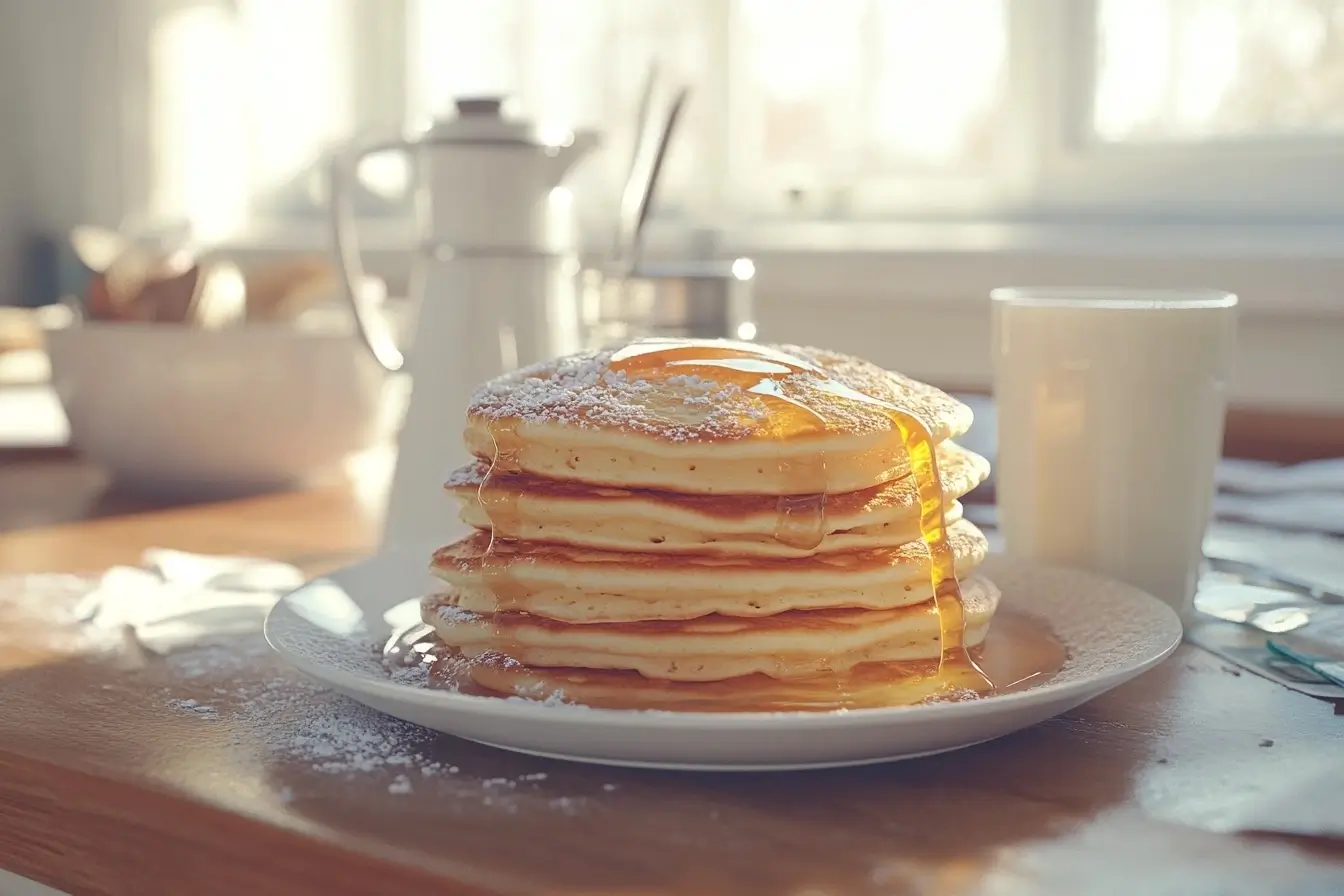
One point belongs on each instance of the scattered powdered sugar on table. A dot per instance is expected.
(239, 682)
(298, 720)
(217, 660)
(191, 705)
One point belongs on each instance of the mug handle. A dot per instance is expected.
(374, 330)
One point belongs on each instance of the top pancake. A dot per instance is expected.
(712, 417)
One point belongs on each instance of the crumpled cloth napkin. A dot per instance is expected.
(175, 599)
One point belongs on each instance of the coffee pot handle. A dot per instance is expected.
(373, 329)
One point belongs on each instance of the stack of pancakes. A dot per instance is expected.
(628, 551)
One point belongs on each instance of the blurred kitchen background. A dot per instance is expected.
(882, 163)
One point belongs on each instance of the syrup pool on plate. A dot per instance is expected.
(1018, 653)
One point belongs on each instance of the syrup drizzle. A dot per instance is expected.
(786, 382)
(501, 507)
(800, 520)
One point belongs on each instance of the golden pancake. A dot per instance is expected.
(710, 417)
(585, 586)
(651, 522)
(866, 686)
(789, 645)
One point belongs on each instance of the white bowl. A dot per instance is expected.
(173, 409)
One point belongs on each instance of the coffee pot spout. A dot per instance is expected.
(563, 158)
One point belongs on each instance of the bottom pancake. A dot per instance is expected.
(867, 686)
(792, 645)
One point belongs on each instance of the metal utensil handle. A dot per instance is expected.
(633, 190)
(373, 330)
(655, 174)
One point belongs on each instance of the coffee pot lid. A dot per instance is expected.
(481, 121)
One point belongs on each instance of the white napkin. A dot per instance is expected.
(175, 599)
(1257, 477)
(1307, 559)
(1300, 511)
(1308, 804)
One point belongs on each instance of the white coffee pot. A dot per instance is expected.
(493, 275)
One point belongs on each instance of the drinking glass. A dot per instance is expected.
(1110, 406)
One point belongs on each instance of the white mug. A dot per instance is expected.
(1110, 406)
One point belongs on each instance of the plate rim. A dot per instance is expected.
(520, 710)
(734, 768)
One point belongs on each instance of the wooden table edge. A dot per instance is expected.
(148, 846)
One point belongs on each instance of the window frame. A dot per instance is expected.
(850, 281)
(1291, 178)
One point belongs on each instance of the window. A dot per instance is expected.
(226, 148)
(838, 110)
(199, 153)
(844, 107)
(1197, 70)
(1193, 108)
(576, 63)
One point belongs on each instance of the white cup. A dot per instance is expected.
(1110, 406)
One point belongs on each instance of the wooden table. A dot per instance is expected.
(106, 788)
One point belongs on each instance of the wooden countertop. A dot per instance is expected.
(105, 787)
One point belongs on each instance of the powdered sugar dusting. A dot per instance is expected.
(583, 391)
(452, 615)
(300, 722)
(471, 475)
(540, 694)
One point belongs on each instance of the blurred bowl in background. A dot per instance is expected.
(192, 412)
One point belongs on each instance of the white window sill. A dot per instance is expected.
(1277, 270)
(1049, 238)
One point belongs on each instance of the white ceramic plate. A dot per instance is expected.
(1113, 632)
